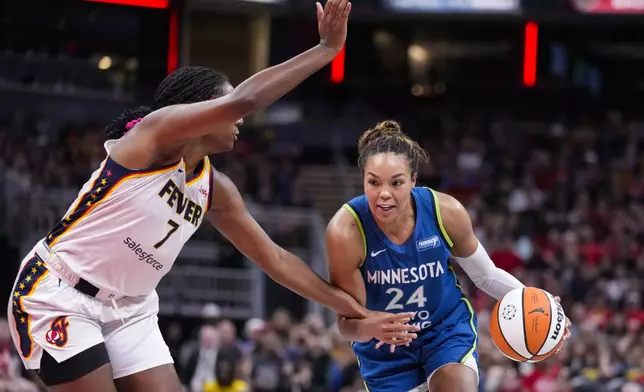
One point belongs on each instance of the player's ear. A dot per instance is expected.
(414, 177)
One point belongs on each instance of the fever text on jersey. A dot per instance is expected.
(176, 199)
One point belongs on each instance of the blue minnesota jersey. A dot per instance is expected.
(415, 276)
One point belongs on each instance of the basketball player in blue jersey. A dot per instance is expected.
(390, 248)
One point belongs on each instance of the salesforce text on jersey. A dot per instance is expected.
(148, 258)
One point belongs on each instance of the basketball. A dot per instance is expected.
(527, 325)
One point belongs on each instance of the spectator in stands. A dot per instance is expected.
(269, 372)
(228, 337)
(253, 331)
(226, 373)
(199, 367)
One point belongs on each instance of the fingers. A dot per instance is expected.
(347, 10)
(567, 328)
(396, 317)
(399, 335)
(558, 300)
(320, 10)
(402, 328)
(330, 8)
(393, 342)
(342, 5)
(395, 325)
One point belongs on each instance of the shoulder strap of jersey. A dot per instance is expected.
(358, 220)
(108, 178)
(433, 196)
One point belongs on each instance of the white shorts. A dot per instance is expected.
(48, 314)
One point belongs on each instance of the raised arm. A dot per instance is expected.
(167, 128)
(230, 216)
(470, 254)
(345, 252)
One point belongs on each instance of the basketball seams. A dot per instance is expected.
(553, 349)
(534, 312)
(506, 331)
(518, 357)
(545, 339)
(525, 327)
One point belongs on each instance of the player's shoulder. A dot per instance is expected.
(342, 223)
(345, 238)
(453, 214)
(448, 203)
(224, 195)
(345, 226)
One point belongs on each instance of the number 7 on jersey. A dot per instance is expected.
(174, 226)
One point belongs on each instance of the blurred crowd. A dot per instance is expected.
(40, 154)
(558, 204)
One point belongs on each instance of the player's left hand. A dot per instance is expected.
(567, 329)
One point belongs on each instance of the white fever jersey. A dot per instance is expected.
(127, 227)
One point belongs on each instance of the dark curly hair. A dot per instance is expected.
(388, 136)
(185, 85)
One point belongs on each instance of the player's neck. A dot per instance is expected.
(192, 158)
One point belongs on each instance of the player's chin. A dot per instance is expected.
(228, 145)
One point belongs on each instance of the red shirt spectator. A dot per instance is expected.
(506, 259)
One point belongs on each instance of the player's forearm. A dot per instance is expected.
(486, 276)
(257, 92)
(350, 330)
(293, 273)
(269, 85)
(498, 283)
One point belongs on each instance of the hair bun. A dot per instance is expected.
(390, 126)
(387, 128)
(125, 122)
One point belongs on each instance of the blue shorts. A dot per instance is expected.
(452, 340)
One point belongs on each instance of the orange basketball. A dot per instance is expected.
(527, 325)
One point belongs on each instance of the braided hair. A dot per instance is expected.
(388, 136)
(183, 86)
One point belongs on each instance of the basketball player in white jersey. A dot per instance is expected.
(84, 305)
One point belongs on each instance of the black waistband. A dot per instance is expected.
(86, 288)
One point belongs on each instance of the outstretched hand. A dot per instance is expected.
(332, 23)
(390, 328)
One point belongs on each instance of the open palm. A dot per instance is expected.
(332, 22)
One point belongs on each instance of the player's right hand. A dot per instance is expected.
(332, 23)
(390, 328)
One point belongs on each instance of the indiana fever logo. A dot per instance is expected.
(57, 334)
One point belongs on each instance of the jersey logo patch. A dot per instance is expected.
(374, 254)
(203, 191)
(428, 243)
(57, 334)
